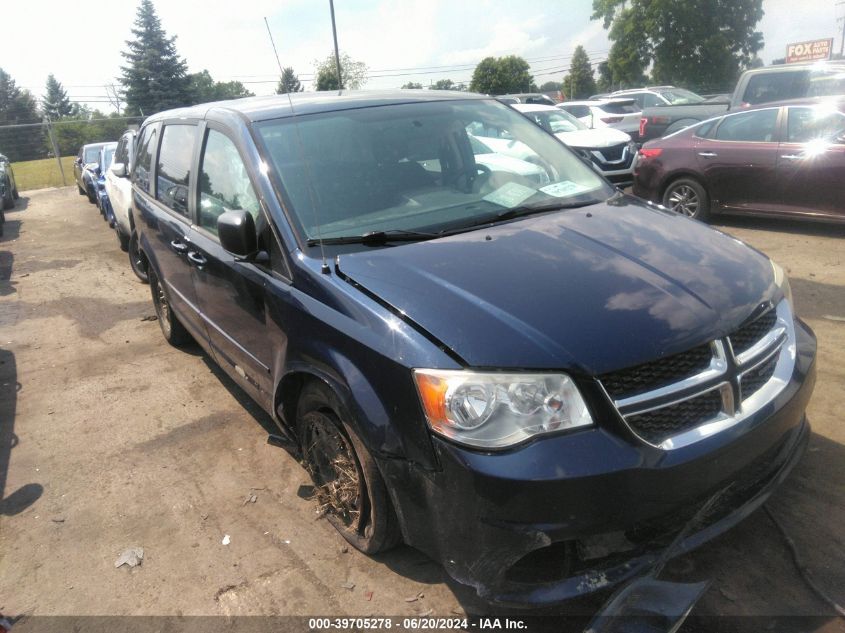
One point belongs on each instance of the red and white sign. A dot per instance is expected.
(811, 51)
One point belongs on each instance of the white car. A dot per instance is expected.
(119, 188)
(612, 153)
(620, 114)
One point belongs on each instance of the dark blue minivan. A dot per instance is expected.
(482, 349)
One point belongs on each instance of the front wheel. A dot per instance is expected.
(172, 329)
(136, 258)
(687, 197)
(349, 488)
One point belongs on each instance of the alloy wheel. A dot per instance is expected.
(684, 200)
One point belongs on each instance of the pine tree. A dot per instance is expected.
(55, 104)
(580, 82)
(288, 82)
(155, 77)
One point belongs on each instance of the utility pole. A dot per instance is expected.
(841, 3)
(336, 51)
(55, 146)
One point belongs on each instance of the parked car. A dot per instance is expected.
(782, 159)
(620, 114)
(8, 186)
(537, 386)
(757, 86)
(527, 97)
(84, 170)
(8, 191)
(611, 152)
(104, 161)
(119, 189)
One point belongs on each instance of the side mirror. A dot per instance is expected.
(119, 170)
(236, 230)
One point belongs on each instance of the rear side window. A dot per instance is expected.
(706, 129)
(652, 101)
(815, 124)
(224, 182)
(619, 108)
(174, 166)
(757, 126)
(144, 167)
(768, 87)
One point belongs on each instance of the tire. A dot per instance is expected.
(92, 196)
(80, 189)
(121, 239)
(332, 453)
(15, 194)
(8, 201)
(687, 197)
(172, 329)
(136, 258)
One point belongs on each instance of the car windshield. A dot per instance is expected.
(556, 121)
(424, 167)
(91, 155)
(679, 96)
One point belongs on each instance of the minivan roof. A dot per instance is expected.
(278, 106)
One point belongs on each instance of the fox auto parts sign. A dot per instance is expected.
(811, 51)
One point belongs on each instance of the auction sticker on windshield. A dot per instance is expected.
(510, 195)
(564, 189)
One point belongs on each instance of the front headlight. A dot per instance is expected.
(782, 282)
(493, 410)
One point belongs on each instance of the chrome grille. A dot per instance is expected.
(675, 401)
(754, 379)
(746, 336)
(655, 426)
(657, 373)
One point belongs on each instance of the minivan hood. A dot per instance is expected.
(594, 138)
(588, 290)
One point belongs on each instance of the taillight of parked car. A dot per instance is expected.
(650, 152)
(611, 119)
(643, 126)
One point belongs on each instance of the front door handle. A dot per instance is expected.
(179, 246)
(708, 154)
(196, 259)
(792, 156)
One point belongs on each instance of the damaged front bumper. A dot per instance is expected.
(573, 514)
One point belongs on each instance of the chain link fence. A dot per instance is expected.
(42, 154)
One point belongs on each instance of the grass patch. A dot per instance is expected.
(37, 174)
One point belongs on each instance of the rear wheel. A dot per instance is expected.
(92, 195)
(137, 260)
(172, 329)
(349, 487)
(8, 200)
(687, 197)
(80, 189)
(122, 239)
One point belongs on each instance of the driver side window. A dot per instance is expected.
(224, 182)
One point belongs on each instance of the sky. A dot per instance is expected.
(400, 40)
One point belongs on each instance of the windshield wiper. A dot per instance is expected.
(377, 237)
(530, 209)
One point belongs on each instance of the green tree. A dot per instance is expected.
(17, 106)
(580, 83)
(412, 86)
(444, 84)
(288, 82)
(550, 86)
(702, 44)
(155, 77)
(605, 81)
(502, 75)
(354, 74)
(203, 88)
(55, 103)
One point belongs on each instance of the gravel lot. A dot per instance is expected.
(110, 438)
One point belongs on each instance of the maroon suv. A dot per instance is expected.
(780, 159)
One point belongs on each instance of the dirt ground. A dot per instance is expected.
(110, 438)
